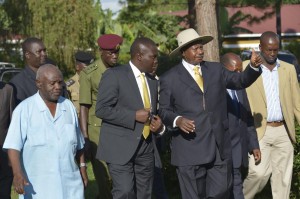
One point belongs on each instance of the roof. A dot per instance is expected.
(290, 23)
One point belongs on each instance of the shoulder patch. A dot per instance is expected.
(70, 82)
(90, 68)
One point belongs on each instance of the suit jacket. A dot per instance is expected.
(289, 95)
(242, 131)
(7, 104)
(118, 100)
(181, 96)
(24, 85)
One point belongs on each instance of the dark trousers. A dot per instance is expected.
(6, 176)
(159, 190)
(206, 181)
(237, 188)
(134, 179)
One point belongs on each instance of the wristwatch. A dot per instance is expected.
(82, 164)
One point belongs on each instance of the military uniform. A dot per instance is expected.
(73, 89)
(89, 80)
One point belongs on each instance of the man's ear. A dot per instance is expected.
(27, 54)
(38, 83)
(139, 56)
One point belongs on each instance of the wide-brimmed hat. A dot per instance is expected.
(187, 37)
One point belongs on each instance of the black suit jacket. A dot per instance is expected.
(242, 131)
(118, 100)
(24, 85)
(7, 104)
(181, 96)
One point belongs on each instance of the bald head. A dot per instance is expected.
(46, 69)
(232, 62)
(49, 82)
(269, 47)
(144, 54)
(269, 36)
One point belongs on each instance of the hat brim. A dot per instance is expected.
(203, 39)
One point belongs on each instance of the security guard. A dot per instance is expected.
(82, 59)
(109, 45)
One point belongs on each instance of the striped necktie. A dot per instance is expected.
(198, 78)
(147, 105)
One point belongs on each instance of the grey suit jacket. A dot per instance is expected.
(181, 96)
(7, 104)
(117, 102)
(242, 131)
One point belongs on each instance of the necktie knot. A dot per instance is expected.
(196, 70)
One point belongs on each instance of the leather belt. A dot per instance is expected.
(275, 123)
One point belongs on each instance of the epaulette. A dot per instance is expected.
(70, 82)
(90, 68)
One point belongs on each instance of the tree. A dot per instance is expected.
(65, 26)
(206, 24)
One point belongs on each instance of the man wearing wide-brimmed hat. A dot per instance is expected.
(193, 101)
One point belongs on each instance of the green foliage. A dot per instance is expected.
(230, 25)
(142, 21)
(294, 47)
(5, 21)
(295, 189)
(65, 27)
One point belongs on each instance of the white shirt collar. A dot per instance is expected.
(135, 70)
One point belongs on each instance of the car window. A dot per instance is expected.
(6, 76)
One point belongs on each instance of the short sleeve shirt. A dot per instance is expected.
(89, 80)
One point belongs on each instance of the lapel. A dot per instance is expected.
(187, 79)
(239, 94)
(205, 75)
(260, 87)
(153, 90)
(136, 96)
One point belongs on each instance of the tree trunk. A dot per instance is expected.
(191, 13)
(206, 23)
(278, 20)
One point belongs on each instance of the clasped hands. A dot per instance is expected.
(144, 115)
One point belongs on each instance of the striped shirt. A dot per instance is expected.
(271, 87)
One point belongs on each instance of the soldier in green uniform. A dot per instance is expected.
(82, 60)
(109, 45)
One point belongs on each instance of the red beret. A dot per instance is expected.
(110, 42)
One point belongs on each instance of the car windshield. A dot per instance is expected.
(287, 58)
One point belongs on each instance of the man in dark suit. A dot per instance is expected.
(241, 127)
(7, 104)
(34, 55)
(124, 103)
(196, 105)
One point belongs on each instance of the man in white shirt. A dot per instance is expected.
(275, 101)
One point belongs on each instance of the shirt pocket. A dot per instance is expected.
(37, 137)
(70, 133)
(74, 96)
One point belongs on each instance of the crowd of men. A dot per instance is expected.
(223, 119)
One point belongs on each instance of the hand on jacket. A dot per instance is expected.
(186, 125)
